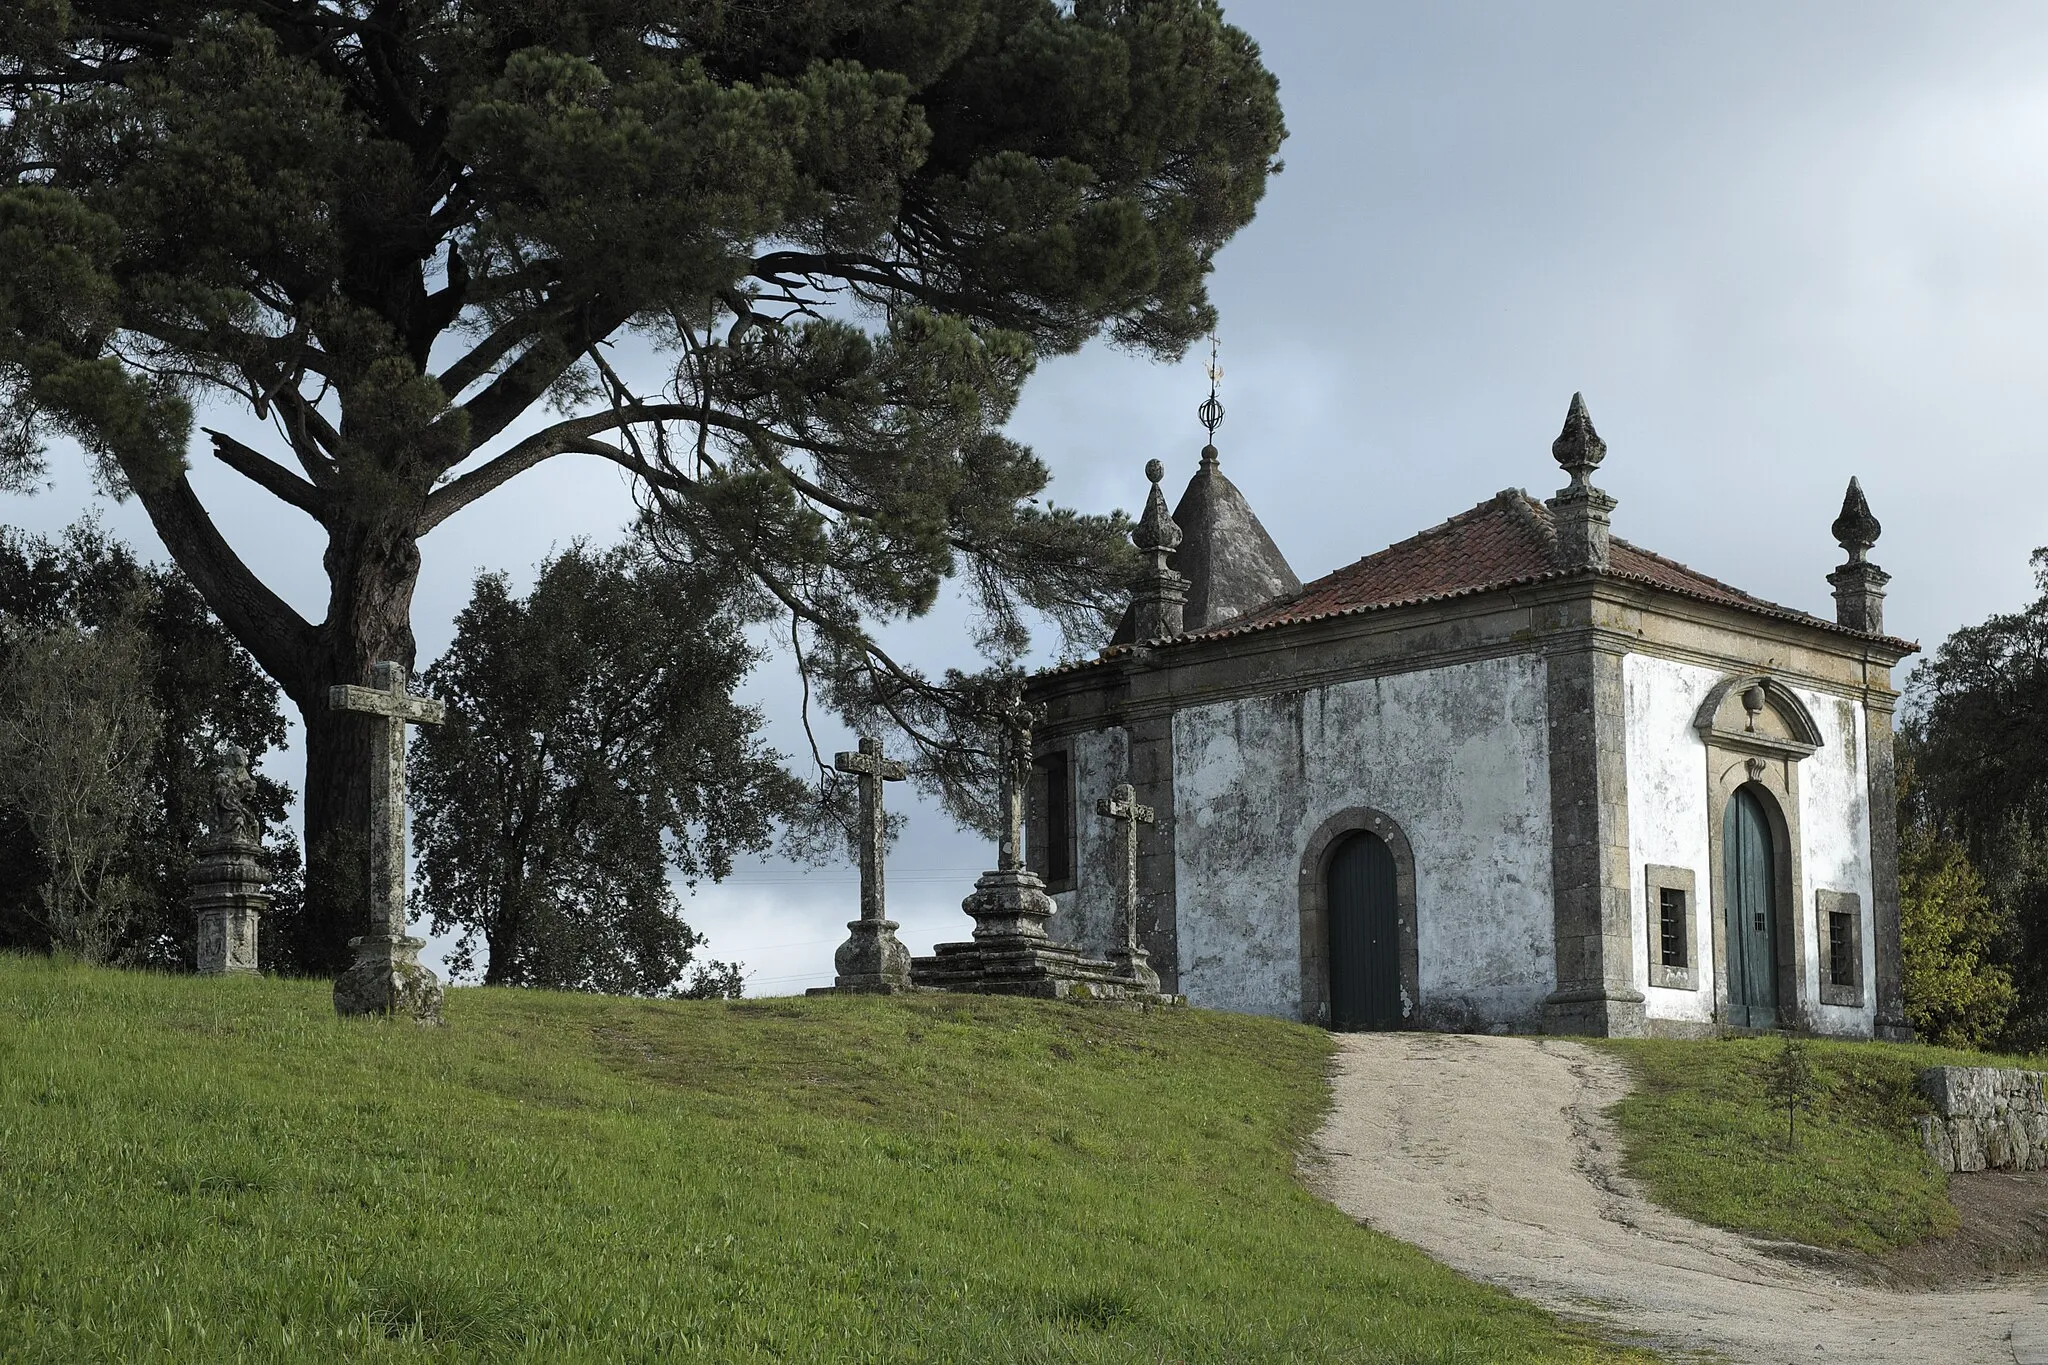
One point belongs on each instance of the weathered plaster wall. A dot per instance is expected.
(1667, 817)
(1456, 756)
(1668, 824)
(1834, 822)
(1101, 760)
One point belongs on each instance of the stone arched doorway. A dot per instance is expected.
(1749, 847)
(1757, 734)
(1360, 965)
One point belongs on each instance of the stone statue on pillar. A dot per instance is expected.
(227, 882)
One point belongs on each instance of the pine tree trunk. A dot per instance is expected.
(372, 573)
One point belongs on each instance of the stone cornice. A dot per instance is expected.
(1554, 616)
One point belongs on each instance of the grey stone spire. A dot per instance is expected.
(1159, 595)
(1859, 584)
(1580, 511)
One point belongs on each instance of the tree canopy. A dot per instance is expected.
(415, 238)
(1976, 743)
(592, 746)
(89, 639)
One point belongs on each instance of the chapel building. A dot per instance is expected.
(1510, 774)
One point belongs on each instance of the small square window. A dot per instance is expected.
(1669, 933)
(1839, 926)
(1671, 927)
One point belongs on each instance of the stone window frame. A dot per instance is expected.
(1657, 879)
(1039, 818)
(1826, 904)
(1769, 766)
(1315, 909)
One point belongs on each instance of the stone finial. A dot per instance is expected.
(1855, 529)
(1580, 512)
(1578, 447)
(1159, 595)
(1858, 584)
(1156, 531)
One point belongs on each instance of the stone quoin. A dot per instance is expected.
(1513, 773)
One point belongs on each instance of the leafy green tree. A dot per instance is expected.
(1956, 994)
(412, 235)
(205, 690)
(592, 747)
(76, 733)
(1976, 747)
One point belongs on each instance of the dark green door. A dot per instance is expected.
(1752, 913)
(1365, 936)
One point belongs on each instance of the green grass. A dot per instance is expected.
(1701, 1137)
(195, 1170)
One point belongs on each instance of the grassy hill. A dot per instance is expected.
(216, 1170)
(1700, 1135)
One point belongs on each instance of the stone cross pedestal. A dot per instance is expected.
(872, 960)
(386, 977)
(1009, 905)
(1011, 954)
(1131, 960)
(228, 879)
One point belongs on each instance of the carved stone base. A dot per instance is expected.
(872, 961)
(1135, 966)
(1596, 1012)
(1010, 905)
(227, 940)
(388, 979)
(1011, 955)
(228, 899)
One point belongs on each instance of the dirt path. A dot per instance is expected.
(1492, 1155)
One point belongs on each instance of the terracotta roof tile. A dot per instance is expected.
(1506, 541)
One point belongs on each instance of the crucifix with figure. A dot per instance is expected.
(386, 977)
(1131, 960)
(872, 959)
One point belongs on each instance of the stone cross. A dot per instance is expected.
(390, 708)
(1017, 719)
(873, 770)
(1122, 806)
(387, 977)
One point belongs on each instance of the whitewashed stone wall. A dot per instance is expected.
(1100, 760)
(1668, 824)
(1834, 826)
(1667, 817)
(1456, 756)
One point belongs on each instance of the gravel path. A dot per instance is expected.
(1493, 1155)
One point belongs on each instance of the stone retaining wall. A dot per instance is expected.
(1987, 1118)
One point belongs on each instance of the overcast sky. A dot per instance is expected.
(1774, 245)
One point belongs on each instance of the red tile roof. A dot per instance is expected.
(1506, 541)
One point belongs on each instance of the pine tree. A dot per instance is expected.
(413, 234)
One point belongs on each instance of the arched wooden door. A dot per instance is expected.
(1365, 935)
(1751, 876)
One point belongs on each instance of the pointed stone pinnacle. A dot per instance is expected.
(1855, 530)
(1578, 447)
(1156, 530)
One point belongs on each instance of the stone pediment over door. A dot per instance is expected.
(1756, 714)
(1757, 732)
